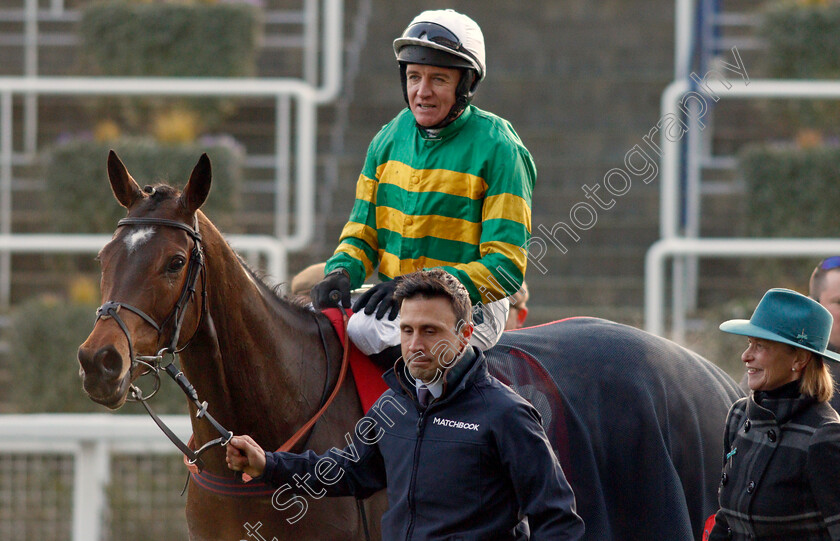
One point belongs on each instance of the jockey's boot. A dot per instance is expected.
(386, 358)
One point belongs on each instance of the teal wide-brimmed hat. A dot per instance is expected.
(789, 317)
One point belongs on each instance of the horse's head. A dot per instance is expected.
(150, 272)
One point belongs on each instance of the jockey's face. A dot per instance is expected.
(430, 337)
(431, 92)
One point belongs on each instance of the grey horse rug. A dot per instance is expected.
(636, 421)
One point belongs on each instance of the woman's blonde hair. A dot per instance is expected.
(816, 379)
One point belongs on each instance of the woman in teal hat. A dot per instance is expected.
(781, 474)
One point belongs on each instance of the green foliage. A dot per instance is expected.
(171, 40)
(45, 335)
(803, 40)
(80, 194)
(803, 43)
(792, 192)
(168, 40)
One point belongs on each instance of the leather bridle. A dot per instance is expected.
(195, 269)
(153, 363)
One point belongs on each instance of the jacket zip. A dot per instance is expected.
(421, 423)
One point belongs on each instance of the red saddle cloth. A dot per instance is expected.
(368, 376)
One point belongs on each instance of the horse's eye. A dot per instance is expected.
(176, 264)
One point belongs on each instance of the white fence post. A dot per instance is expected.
(91, 477)
(92, 439)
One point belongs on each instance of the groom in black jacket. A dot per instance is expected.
(462, 455)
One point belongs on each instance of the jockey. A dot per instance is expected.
(444, 184)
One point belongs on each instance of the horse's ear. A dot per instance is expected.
(195, 193)
(125, 188)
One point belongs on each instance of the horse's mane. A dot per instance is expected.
(274, 292)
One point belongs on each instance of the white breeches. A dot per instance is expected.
(373, 335)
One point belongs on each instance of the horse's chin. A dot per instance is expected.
(111, 396)
(111, 403)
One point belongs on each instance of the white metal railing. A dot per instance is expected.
(690, 40)
(252, 246)
(674, 247)
(91, 439)
(757, 88)
(31, 15)
(670, 192)
(307, 100)
(684, 37)
(306, 95)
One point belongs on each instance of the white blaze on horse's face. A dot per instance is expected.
(138, 238)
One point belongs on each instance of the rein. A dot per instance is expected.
(304, 430)
(345, 357)
(154, 364)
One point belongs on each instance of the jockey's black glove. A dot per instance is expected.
(338, 281)
(380, 298)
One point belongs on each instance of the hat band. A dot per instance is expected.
(801, 337)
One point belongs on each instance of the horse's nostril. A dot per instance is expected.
(111, 360)
(106, 361)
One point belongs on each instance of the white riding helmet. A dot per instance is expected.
(444, 37)
(448, 31)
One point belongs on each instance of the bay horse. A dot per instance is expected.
(636, 420)
(260, 362)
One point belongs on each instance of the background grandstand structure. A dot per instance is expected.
(582, 82)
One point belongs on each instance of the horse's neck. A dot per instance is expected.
(255, 357)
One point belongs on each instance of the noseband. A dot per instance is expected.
(195, 268)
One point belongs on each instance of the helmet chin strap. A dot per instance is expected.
(463, 96)
(458, 107)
